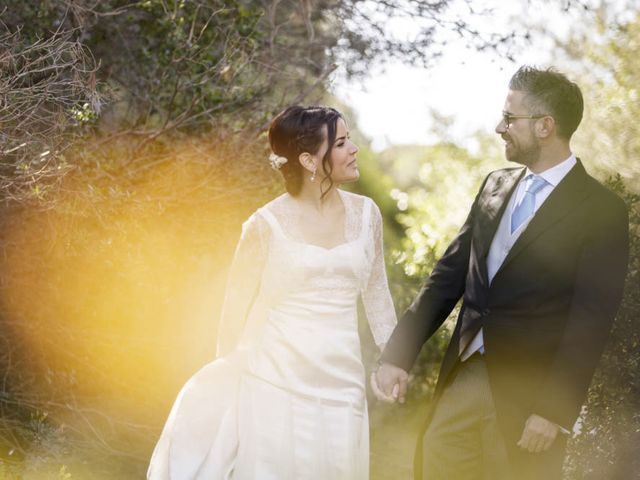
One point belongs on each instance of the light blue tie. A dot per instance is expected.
(525, 208)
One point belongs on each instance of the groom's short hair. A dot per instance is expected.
(548, 92)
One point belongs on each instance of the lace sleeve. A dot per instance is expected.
(376, 296)
(243, 282)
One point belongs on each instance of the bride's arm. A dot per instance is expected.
(376, 297)
(243, 282)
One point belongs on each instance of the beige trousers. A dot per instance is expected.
(462, 441)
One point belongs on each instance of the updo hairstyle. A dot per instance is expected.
(297, 130)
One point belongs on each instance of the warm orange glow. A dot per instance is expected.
(113, 296)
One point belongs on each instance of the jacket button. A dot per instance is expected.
(486, 312)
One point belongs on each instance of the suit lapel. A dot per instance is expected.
(565, 197)
(492, 208)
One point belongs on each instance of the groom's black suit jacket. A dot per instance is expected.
(548, 311)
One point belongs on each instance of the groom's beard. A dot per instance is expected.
(526, 155)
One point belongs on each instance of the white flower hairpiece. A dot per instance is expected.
(277, 161)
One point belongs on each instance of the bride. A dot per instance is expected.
(286, 397)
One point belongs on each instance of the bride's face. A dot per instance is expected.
(343, 156)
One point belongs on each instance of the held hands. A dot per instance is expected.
(389, 383)
(538, 434)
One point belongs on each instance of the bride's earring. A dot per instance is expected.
(313, 176)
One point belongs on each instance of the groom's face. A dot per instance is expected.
(520, 142)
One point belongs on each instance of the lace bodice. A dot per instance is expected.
(259, 266)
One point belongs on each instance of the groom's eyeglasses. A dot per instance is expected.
(507, 118)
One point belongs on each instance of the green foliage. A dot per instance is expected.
(116, 263)
(609, 74)
(604, 50)
(132, 243)
(63, 474)
(434, 189)
(609, 426)
(9, 472)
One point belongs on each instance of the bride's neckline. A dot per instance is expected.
(304, 241)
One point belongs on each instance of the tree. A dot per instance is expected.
(47, 89)
(607, 439)
(114, 255)
(603, 55)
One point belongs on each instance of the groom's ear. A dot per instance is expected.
(546, 127)
(306, 160)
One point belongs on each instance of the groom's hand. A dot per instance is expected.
(538, 434)
(389, 383)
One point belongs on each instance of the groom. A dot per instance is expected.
(539, 264)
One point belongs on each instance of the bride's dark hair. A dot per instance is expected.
(297, 130)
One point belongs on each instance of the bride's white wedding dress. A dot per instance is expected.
(288, 402)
